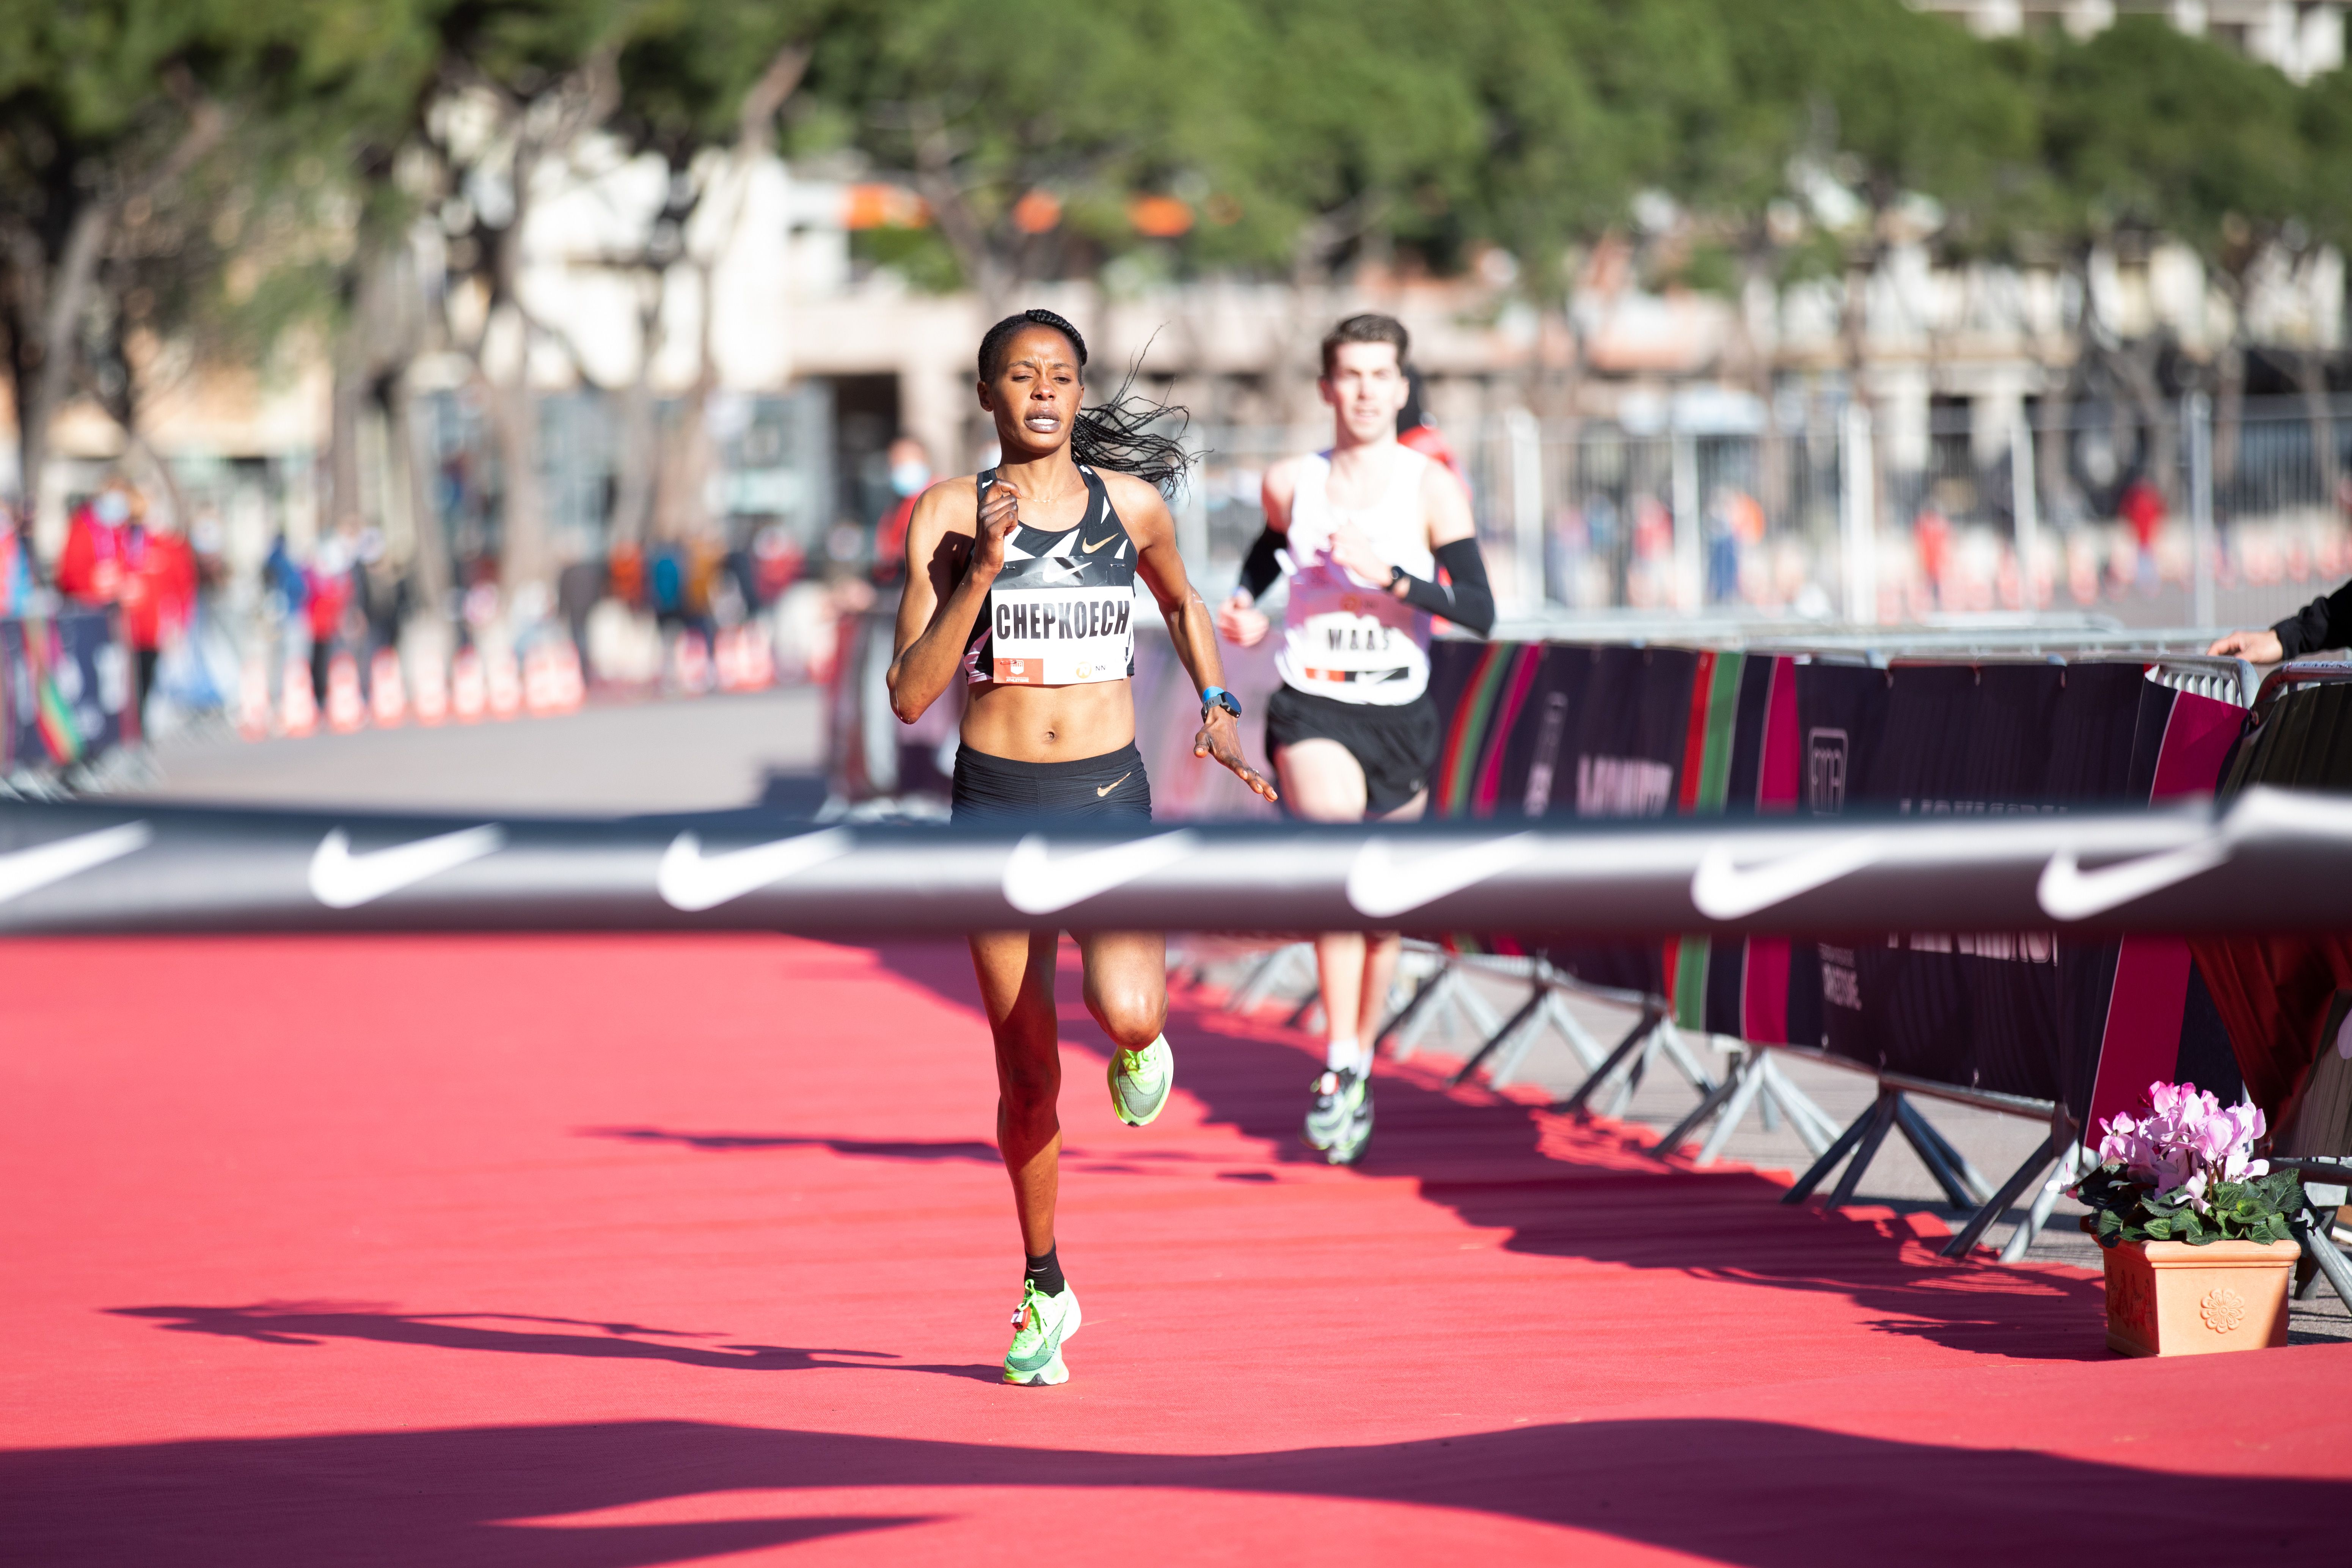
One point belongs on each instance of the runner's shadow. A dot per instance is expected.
(1590, 1188)
(315, 1322)
(857, 1147)
(1755, 1494)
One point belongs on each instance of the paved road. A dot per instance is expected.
(695, 754)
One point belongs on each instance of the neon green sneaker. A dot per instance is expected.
(1040, 1324)
(1139, 1081)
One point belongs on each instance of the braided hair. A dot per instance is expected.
(1115, 435)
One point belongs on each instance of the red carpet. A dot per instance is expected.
(608, 1252)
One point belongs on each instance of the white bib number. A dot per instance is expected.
(1060, 636)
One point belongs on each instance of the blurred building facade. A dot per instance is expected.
(2301, 37)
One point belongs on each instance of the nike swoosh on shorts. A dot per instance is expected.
(1036, 884)
(1722, 891)
(1113, 784)
(342, 880)
(690, 881)
(25, 870)
(1379, 887)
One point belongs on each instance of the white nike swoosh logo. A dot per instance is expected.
(342, 880)
(27, 869)
(1380, 888)
(690, 881)
(1037, 885)
(1722, 891)
(2068, 893)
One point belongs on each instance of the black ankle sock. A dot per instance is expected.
(1046, 1272)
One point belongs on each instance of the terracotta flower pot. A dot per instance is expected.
(2168, 1298)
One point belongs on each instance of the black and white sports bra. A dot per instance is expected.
(1061, 612)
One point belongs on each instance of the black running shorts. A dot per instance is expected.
(1111, 786)
(1396, 747)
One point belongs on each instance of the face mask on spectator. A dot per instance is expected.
(112, 508)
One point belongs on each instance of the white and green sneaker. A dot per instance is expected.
(1040, 1324)
(1340, 1121)
(1139, 1081)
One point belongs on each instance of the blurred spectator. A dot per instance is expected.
(910, 476)
(15, 565)
(2142, 507)
(112, 559)
(328, 600)
(159, 596)
(1735, 526)
(380, 592)
(283, 580)
(704, 558)
(577, 588)
(776, 562)
(1931, 534)
(89, 568)
(624, 572)
(666, 584)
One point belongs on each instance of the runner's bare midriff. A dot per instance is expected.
(1049, 724)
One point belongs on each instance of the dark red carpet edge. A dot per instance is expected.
(457, 1251)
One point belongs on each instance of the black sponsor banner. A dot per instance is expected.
(2276, 861)
(2021, 1011)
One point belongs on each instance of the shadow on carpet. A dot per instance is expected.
(1757, 1494)
(1586, 1187)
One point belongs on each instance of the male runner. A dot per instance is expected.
(1360, 530)
(1022, 584)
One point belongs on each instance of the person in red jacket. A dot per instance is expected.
(329, 579)
(89, 569)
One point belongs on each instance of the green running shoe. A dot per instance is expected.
(1040, 1324)
(1340, 1121)
(1139, 1081)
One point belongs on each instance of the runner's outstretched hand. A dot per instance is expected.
(1219, 737)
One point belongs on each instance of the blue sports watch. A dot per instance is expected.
(1218, 696)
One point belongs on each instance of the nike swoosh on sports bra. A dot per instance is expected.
(1061, 612)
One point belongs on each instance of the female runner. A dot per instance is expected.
(1021, 583)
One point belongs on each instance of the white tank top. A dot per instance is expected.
(1344, 637)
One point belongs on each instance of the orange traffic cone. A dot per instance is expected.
(691, 663)
(572, 687)
(432, 697)
(468, 695)
(253, 715)
(505, 682)
(540, 690)
(387, 693)
(727, 660)
(298, 704)
(346, 710)
(758, 660)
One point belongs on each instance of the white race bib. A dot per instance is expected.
(1060, 636)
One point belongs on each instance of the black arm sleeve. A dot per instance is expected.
(1260, 569)
(2323, 623)
(1467, 601)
